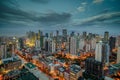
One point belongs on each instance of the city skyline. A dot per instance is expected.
(96, 16)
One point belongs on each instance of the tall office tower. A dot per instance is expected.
(88, 47)
(81, 44)
(46, 35)
(105, 53)
(64, 32)
(21, 43)
(106, 36)
(98, 51)
(84, 34)
(53, 46)
(102, 52)
(10, 49)
(41, 41)
(93, 43)
(46, 46)
(13, 50)
(78, 42)
(89, 36)
(57, 32)
(37, 44)
(117, 41)
(4, 50)
(40, 33)
(51, 35)
(118, 55)
(73, 45)
(93, 70)
(112, 41)
(72, 34)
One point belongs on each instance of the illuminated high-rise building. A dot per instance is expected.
(118, 55)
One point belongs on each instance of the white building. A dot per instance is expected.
(102, 52)
(73, 45)
(118, 55)
(53, 46)
(37, 44)
(93, 43)
(81, 44)
(98, 51)
(87, 47)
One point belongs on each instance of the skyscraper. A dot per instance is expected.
(81, 44)
(118, 55)
(112, 41)
(4, 50)
(93, 70)
(53, 46)
(102, 52)
(84, 34)
(21, 43)
(64, 32)
(37, 44)
(98, 51)
(73, 45)
(106, 36)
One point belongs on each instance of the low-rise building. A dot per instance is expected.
(74, 72)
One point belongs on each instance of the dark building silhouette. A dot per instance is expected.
(112, 41)
(93, 69)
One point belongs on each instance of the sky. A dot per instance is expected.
(96, 16)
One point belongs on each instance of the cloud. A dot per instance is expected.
(98, 19)
(81, 9)
(55, 18)
(97, 1)
(41, 1)
(10, 12)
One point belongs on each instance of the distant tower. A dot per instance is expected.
(84, 34)
(4, 50)
(81, 44)
(118, 55)
(106, 36)
(64, 32)
(37, 44)
(53, 46)
(73, 45)
(112, 42)
(57, 33)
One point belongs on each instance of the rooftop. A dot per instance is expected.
(30, 65)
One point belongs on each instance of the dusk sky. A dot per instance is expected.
(97, 16)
